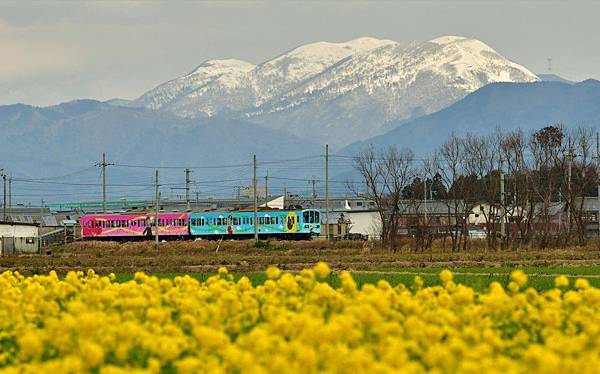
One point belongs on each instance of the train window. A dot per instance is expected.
(317, 217)
(305, 217)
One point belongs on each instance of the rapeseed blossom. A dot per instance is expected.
(293, 323)
(561, 281)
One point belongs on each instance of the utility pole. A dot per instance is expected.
(502, 200)
(42, 214)
(187, 189)
(4, 204)
(239, 192)
(41, 225)
(569, 175)
(9, 196)
(598, 176)
(327, 191)
(267, 190)
(425, 196)
(314, 191)
(255, 202)
(156, 211)
(103, 165)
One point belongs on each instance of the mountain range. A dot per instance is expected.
(338, 93)
(349, 95)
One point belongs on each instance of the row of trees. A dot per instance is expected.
(543, 174)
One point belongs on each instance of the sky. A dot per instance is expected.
(56, 51)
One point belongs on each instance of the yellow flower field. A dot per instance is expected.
(293, 323)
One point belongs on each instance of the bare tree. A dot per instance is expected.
(580, 177)
(547, 147)
(519, 205)
(385, 175)
(450, 163)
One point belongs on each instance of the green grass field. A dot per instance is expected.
(540, 278)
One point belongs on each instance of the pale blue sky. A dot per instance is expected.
(57, 51)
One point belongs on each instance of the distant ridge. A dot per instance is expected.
(528, 106)
(554, 78)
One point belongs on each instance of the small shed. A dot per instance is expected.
(18, 237)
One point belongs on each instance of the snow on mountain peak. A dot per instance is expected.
(447, 39)
(476, 63)
(285, 71)
(212, 67)
(367, 43)
(225, 73)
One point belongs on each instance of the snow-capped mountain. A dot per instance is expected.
(339, 92)
(212, 87)
(201, 92)
(284, 72)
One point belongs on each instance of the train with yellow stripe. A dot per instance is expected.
(282, 224)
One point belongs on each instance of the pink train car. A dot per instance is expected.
(134, 225)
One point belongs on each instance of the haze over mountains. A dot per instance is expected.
(352, 94)
(338, 92)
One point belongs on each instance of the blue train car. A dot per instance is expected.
(285, 224)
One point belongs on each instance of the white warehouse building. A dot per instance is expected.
(16, 237)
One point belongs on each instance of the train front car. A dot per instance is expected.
(134, 226)
(271, 224)
(310, 223)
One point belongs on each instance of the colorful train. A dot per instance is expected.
(283, 224)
